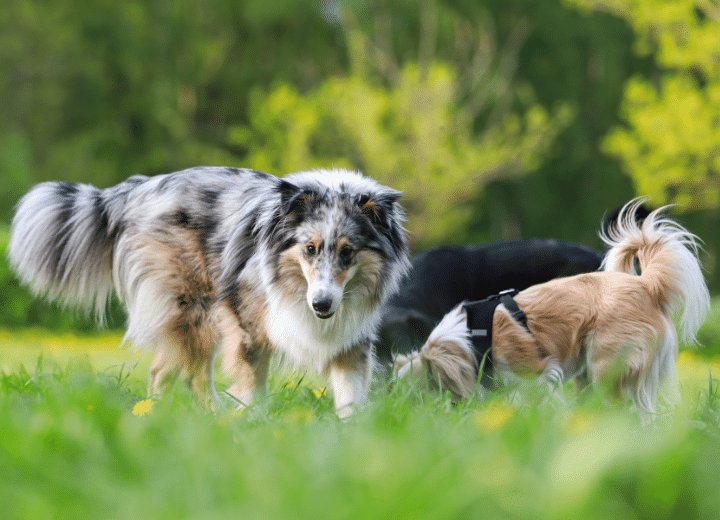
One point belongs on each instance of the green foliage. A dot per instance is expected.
(709, 333)
(102, 90)
(15, 168)
(412, 137)
(671, 147)
(670, 144)
(75, 442)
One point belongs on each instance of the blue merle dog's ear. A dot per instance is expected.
(377, 207)
(294, 198)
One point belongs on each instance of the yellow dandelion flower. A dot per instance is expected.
(494, 416)
(578, 422)
(142, 407)
(319, 392)
(90, 407)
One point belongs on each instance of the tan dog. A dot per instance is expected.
(614, 327)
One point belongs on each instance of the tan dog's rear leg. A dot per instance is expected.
(554, 377)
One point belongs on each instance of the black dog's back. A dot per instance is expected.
(441, 278)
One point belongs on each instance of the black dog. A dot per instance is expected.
(442, 277)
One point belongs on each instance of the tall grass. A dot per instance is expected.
(78, 440)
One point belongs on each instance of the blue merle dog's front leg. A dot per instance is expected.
(350, 374)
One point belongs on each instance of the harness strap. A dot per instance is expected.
(479, 322)
(515, 312)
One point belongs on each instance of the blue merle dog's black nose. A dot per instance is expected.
(322, 305)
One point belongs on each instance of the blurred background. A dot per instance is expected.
(499, 119)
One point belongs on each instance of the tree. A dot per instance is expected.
(415, 125)
(670, 142)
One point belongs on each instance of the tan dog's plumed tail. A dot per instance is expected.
(666, 255)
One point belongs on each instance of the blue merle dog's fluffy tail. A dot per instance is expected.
(61, 244)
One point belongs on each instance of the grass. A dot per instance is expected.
(79, 440)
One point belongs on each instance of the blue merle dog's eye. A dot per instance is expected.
(346, 254)
(310, 250)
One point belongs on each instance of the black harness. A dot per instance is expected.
(480, 320)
